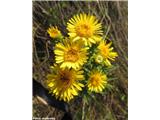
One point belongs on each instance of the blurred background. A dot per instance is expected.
(114, 18)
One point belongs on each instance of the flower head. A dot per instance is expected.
(85, 27)
(54, 32)
(98, 59)
(65, 84)
(107, 52)
(70, 54)
(97, 81)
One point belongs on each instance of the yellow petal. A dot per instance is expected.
(77, 86)
(50, 84)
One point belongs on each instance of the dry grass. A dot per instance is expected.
(114, 16)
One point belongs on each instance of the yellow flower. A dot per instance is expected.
(85, 27)
(54, 32)
(107, 52)
(97, 81)
(70, 54)
(64, 84)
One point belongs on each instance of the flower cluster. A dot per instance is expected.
(81, 58)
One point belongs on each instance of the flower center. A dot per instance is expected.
(64, 77)
(72, 55)
(84, 30)
(55, 32)
(95, 80)
(104, 51)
